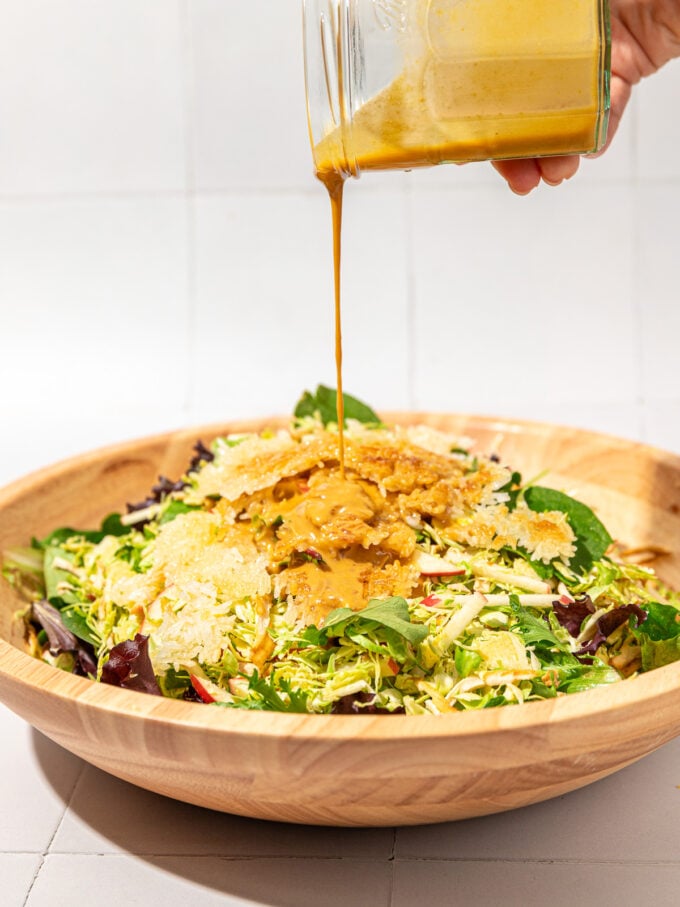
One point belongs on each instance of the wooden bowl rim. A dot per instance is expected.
(19, 667)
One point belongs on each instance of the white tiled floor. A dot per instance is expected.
(68, 828)
(165, 260)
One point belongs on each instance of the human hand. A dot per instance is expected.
(645, 35)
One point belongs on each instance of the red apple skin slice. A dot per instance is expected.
(432, 565)
(200, 690)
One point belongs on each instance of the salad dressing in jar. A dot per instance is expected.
(398, 84)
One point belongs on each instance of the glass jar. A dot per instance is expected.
(396, 84)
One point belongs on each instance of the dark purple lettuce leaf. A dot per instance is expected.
(86, 663)
(190, 695)
(129, 667)
(60, 639)
(201, 455)
(609, 622)
(166, 486)
(160, 490)
(350, 705)
(572, 615)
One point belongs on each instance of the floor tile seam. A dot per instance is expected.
(34, 878)
(317, 858)
(227, 858)
(537, 861)
(393, 868)
(60, 822)
(23, 852)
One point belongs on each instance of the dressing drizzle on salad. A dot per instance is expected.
(428, 579)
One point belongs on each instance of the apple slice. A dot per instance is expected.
(200, 689)
(208, 691)
(433, 565)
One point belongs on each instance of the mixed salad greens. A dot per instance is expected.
(193, 594)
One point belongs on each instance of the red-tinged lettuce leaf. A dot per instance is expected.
(166, 486)
(129, 667)
(61, 639)
(202, 454)
(361, 704)
(611, 621)
(571, 615)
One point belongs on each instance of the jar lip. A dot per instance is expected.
(327, 29)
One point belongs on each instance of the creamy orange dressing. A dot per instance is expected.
(333, 541)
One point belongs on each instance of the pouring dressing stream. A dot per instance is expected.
(400, 84)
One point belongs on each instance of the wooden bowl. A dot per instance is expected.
(352, 770)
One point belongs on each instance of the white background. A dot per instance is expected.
(165, 260)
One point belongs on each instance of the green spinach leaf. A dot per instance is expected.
(592, 538)
(323, 403)
(389, 612)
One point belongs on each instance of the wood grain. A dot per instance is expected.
(352, 770)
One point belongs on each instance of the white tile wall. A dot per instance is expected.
(91, 97)
(165, 259)
(264, 328)
(248, 113)
(658, 127)
(523, 299)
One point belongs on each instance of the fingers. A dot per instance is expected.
(554, 170)
(524, 175)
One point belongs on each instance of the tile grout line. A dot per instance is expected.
(95, 195)
(54, 834)
(410, 296)
(542, 861)
(636, 262)
(190, 202)
(280, 192)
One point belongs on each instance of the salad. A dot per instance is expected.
(425, 578)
